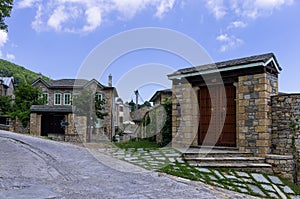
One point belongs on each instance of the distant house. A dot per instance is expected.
(56, 118)
(160, 96)
(122, 112)
(7, 86)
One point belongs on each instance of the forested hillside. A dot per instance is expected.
(20, 74)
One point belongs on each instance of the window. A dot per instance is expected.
(121, 120)
(121, 108)
(45, 98)
(99, 96)
(67, 98)
(98, 123)
(57, 99)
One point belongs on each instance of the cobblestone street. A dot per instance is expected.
(37, 168)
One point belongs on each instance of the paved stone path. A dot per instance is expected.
(38, 168)
(153, 159)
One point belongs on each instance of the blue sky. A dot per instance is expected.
(54, 37)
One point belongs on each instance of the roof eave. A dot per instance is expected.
(216, 70)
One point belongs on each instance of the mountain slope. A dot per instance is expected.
(20, 74)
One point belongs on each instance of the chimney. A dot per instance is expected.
(110, 80)
(40, 76)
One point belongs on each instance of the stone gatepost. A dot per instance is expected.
(35, 124)
(185, 114)
(254, 112)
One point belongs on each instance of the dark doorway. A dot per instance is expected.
(212, 116)
(51, 124)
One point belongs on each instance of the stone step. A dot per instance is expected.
(250, 167)
(214, 147)
(224, 160)
(232, 165)
(215, 153)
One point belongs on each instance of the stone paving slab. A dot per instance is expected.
(242, 181)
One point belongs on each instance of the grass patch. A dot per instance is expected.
(145, 144)
(209, 176)
(294, 187)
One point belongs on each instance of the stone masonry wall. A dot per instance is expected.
(286, 141)
(284, 108)
(254, 112)
(185, 114)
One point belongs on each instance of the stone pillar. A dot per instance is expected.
(35, 124)
(254, 112)
(185, 114)
(70, 127)
(81, 127)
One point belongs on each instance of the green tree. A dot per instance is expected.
(25, 97)
(5, 9)
(167, 129)
(5, 105)
(132, 105)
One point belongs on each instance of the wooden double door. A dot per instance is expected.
(217, 125)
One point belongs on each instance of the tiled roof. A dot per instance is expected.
(226, 64)
(68, 82)
(6, 80)
(47, 108)
(157, 93)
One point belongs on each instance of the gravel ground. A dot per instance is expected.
(31, 167)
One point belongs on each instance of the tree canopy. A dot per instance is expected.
(25, 97)
(5, 9)
(5, 105)
(21, 75)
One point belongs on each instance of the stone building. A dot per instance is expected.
(228, 101)
(234, 106)
(160, 96)
(6, 89)
(7, 86)
(58, 118)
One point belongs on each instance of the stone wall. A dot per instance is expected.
(18, 127)
(286, 140)
(185, 114)
(80, 125)
(282, 165)
(35, 124)
(284, 109)
(254, 112)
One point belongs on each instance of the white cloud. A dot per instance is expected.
(237, 24)
(229, 42)
(93, 18)
(223, 37)
(267, 4)
(10, 57)
(87, 15)
(3, 38)
(216, 7)
(58, 17)
(257, 8)
(26, 3)
(164, 7)
(245, 8)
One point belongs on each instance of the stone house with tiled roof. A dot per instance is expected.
(236, 94)
(6, 86)
(233, 114)
(160, 96)
(57, 119)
